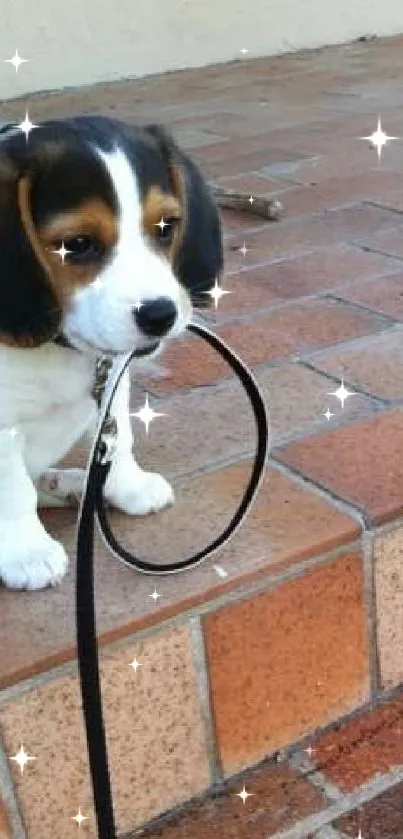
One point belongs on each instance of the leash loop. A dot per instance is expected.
(91, 506)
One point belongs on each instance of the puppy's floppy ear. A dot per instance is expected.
(198, 261)
(30, 312)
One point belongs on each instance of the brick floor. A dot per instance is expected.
(298, 620)
(278, 798)
(369, 744)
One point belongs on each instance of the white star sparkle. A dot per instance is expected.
(244, 249)
(16, 61)
(62, 252)
(161, 224)
(216, 293)
(155, 596)
(328, 414)
(135, 664)
(360, 836)
(26, 126)
(97, 284)
(309, 751)
(244, 51)
(251, 200)
(146, 414)
(22, 758)
(342, 394)
(79, 818)
(379, 139)
(243, 794)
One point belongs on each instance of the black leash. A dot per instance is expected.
(92, 504)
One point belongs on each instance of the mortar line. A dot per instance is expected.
(322, 492)
(362, 308)
(370, 610)
(381, 401)
(204, 686)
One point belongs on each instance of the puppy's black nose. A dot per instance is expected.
(155, 317)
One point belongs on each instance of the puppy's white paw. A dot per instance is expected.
(60, 487)
(29, 557)
(146, 492)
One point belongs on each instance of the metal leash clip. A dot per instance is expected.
(107, 442)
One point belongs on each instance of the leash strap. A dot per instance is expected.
(92, 505)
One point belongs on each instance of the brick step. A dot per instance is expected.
(346, 782)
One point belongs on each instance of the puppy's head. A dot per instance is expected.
(107, 233)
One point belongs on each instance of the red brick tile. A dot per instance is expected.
(362, 463)
(375, 367)
(380, 818)
(355, 752)
(292, 330)
(244, 147)
(383, 295)
(239, 158)
(293, 235)
(182, 442)
(279, 798)
(251, 183)
(289, 666)
(326, 269)
(288, 524)
(350, 158)
(339, 191)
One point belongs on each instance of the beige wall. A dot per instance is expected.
(84, 41)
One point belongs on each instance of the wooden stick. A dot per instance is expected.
(264, 207)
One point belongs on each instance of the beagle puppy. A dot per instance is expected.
(108, 235)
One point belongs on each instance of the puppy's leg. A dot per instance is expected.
(128, 487)
(29, 557)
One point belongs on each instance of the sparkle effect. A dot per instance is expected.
(135, 664)
(243, 794)
(62, 252)
(328, 414)
(309, 751)
(161, 224)
(155, 595)
(26, 126)
(379, 139)
(79, 818)
(244, 51)
(244, 250)
(342, 394)
(22, 758)
(146, 414)
(16, 61)
(216, 293)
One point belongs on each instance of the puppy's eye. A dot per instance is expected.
(165, 230)
(81, 249)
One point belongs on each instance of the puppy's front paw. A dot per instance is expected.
(145, 492)
(29, 557)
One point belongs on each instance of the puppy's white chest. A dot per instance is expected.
(46, 394)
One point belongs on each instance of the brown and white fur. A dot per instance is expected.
(100, 188)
